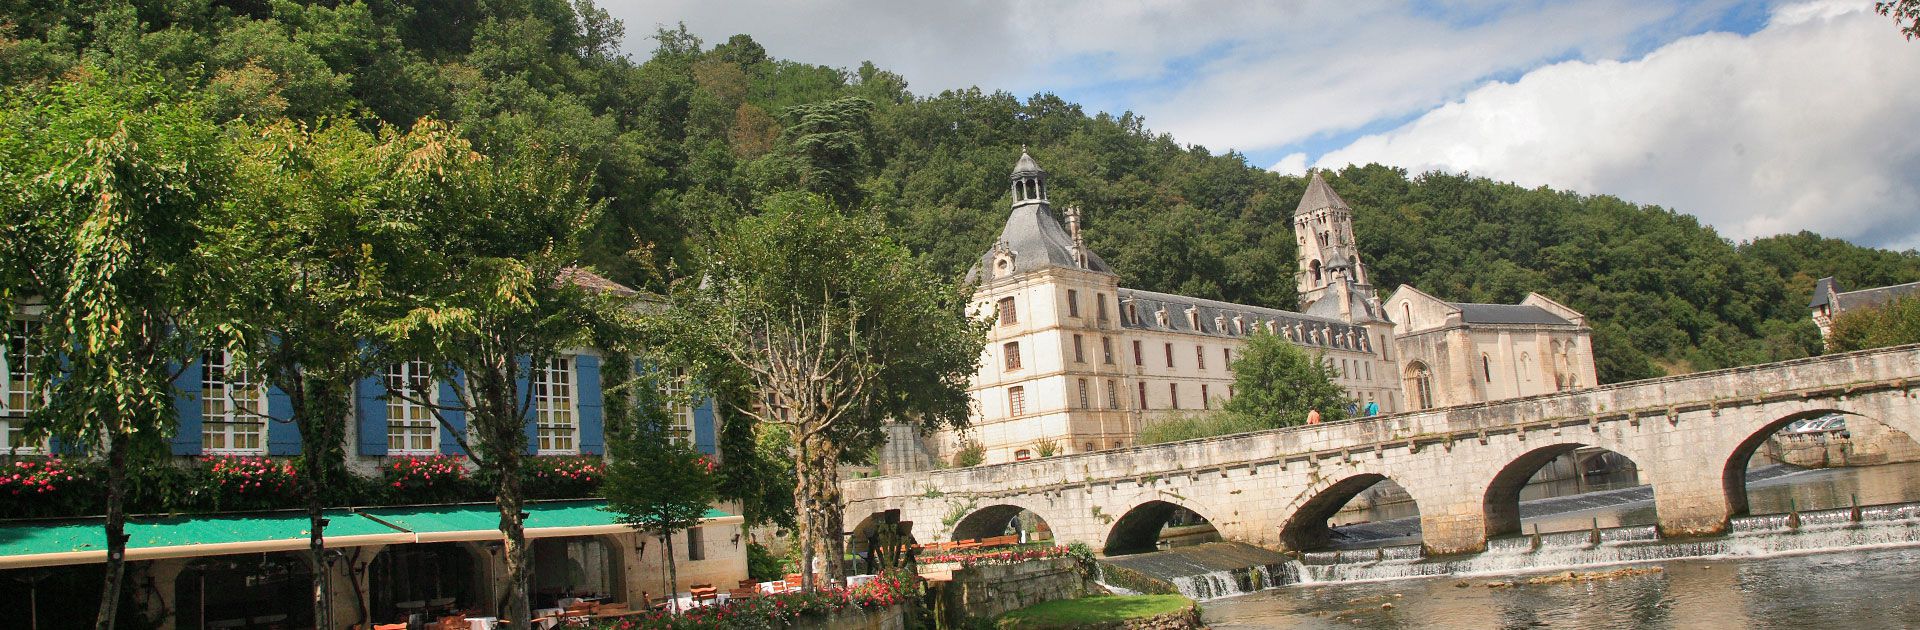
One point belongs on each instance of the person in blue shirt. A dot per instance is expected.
(1373, 408)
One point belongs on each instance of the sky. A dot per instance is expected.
(1758, 117)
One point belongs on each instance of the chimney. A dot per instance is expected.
(1073, 232)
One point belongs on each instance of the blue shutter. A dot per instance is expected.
(703, 427)
(186, 399)
(370, 415)
(523, 392)
(456, 419)
(593, 439)
(283, 434)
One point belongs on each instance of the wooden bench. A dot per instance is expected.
(703, 592)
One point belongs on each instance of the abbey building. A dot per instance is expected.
(1076, 362)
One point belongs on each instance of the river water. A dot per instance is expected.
(1831, 566)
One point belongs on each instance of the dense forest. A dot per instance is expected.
(692, 137)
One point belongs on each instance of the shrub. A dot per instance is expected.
(44, 487)
(249, 483)
(1198, 426)
(971, 454)
(779, 611)
(563, 477)
(429, 479)
(762, 565)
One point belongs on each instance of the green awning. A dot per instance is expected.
(47, 543)
(481, 521)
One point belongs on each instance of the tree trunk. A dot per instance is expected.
(833, 518)
(317, 409)
(803, 499)
(673, 573)
(513, 524)
(117, 444)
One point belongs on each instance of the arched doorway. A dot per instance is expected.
(1361, 510)
(1548, 478)
(575, 566)
(1003, 522)
(1821, 459)
(434, 578)
(271, 590)
(1156, 525)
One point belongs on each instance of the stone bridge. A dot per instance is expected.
(1691, 437)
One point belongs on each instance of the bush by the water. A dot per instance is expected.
(1086, 611)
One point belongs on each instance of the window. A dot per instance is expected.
(1089, 447)
(557, 421)
(232, 408)
(1169, 355)
(1106, 349)
(1406, 314)
(1200, 356)
(1314, 271)
(696, 544)
(1079, 353)
(1022, 455)
(1016, 400)
(1226, 357)
(1084, 402)
(1386, 351)
(1173, 395)
(679, 408)
(1368, 368)
(410, 423)
(1007, 315)
(1100, 306)
(1113, 395)
(1420, 385)
(1486, 367)
(1143, 398)
(1204, 403)
(1138, 358)
(1012, 350)
(1526, 367)
(1073, 303)
(21, 397)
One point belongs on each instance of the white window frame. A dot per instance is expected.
(556, 407)
(233, 408)
(408, 418)
(679, 409)
(19, 398)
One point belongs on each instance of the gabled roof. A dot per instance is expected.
(1507, 314)
(1823, 290)
(1319, 195)
(1301, 328)
(1868, 298)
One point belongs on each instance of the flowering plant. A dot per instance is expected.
(42, 487)
(426, 478)
(998, 556)
(564, 476)
(242, 482)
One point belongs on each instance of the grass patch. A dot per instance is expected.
(1074, 613)
(1191, 427)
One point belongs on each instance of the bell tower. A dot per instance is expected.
(1329, 257)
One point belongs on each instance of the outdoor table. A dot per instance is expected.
(482, 623)
(856, 580)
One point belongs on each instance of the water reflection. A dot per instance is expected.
(1866, 589)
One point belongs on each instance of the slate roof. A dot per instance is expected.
(1868, 298)
(1507, 314)
(1319, 195)
(1037, 241)
(1823, 289)
(1026, 165)
(1139, 311)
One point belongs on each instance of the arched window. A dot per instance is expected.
(1008, 315)
(1313, 270)
(1406, 314)
(1420, 385)
(1526, 367)
(1486, 367)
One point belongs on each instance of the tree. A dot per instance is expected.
(835, 329)
(103, 184)
(1891, 324)
(493, 295)
(302, 255)
(1277, 383)
(1906, 13)
(656, 484)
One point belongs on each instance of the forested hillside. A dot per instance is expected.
(690, 136)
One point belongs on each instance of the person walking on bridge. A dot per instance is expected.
(1313, 416)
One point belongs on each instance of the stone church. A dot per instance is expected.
(1076, 362)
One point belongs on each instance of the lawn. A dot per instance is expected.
(1074, 613)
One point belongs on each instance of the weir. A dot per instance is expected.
(1220, 569)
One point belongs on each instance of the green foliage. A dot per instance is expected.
(1895, 323)
(1089, 611)
(971, 453)
(1278, 383)
(758, 470)
(655, 483)
(1196, 426)
(762, 565)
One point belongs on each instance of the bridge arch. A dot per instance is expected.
(1308, 526)
(1501, 503)
(1894, 428)
(1138, 530)
(998, 520)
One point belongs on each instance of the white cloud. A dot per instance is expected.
(1292, 164)
(1805, 124)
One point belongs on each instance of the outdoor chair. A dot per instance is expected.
(703, 593)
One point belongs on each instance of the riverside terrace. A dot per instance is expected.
(1463, 466)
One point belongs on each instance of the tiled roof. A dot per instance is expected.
(1319, 195)
(593, 281)
(1141, 310)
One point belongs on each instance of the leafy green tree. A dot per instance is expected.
(489, 281)
(1892, 324)
(836, 330)
(104, 182)
(1278, 383)
(302, 256)
(655, 483)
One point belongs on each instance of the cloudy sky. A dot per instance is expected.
(1759, 117)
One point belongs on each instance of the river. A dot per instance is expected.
(1831, 567)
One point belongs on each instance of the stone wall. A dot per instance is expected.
(988, 591)
(1864, 443)
(889, 618)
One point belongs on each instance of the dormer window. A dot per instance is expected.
(1193, 319)
(1239, 325)
(1160, 316)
